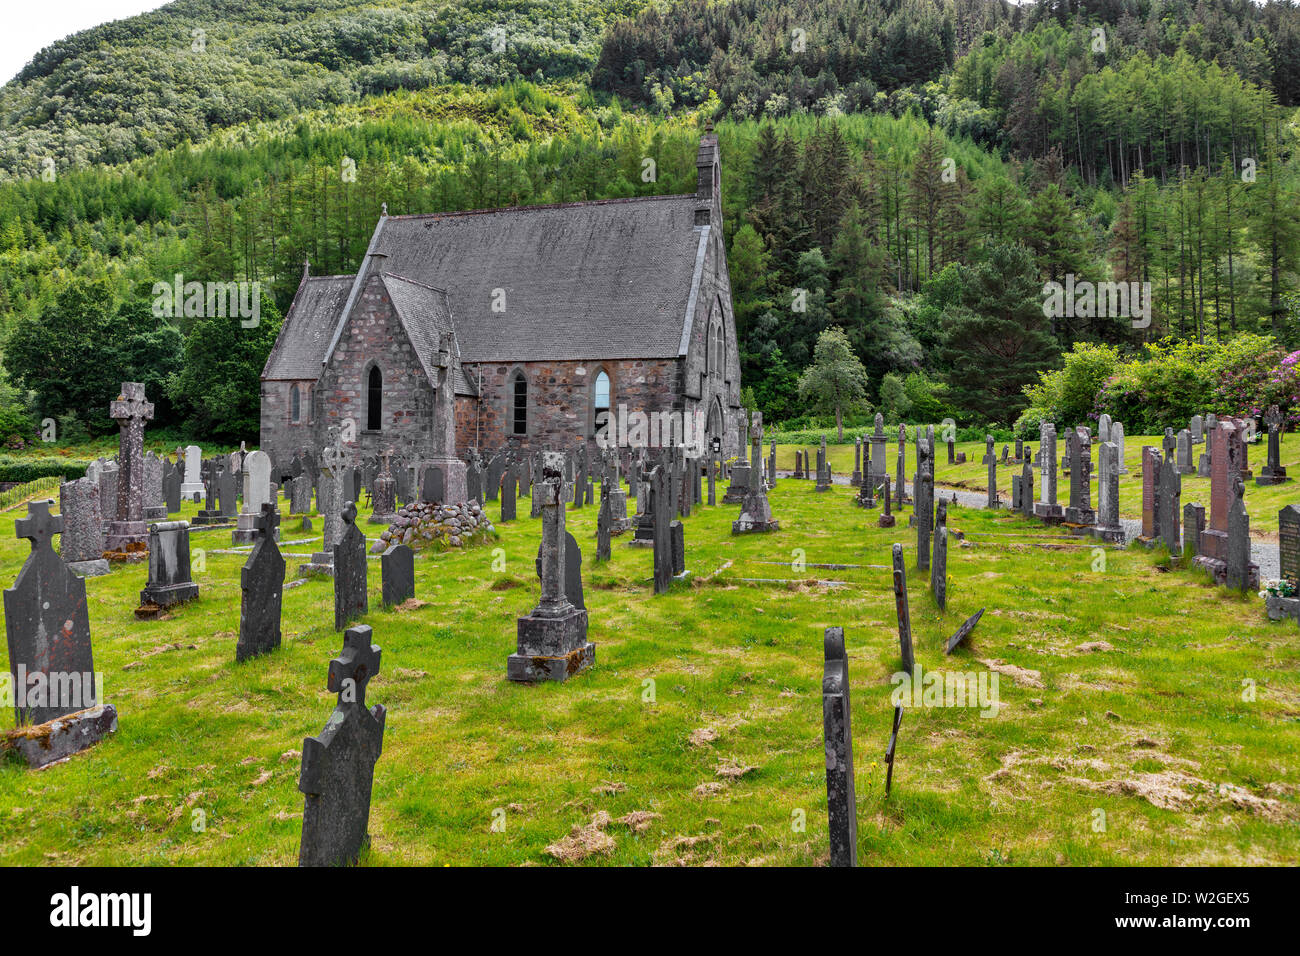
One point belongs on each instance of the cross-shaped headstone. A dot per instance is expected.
(39, 527)
(351, 671)
(268, 521)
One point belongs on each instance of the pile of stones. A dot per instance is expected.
(422, 523)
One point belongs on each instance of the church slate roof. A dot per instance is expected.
(305, 334)
(609, 279)
(424, 313)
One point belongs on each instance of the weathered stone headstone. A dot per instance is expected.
(1183, 445)
(171, 486)
(226, 481)
(1027, 487)
(1193, 525)
(991, 498)
(1047, 509)
(1197, 429)
(904, 613)
(81, 543)
(677, 541)
(383, 492)
(169, 567)
(350, 596)
(837, 724)
(397, 574)
(856, 478)
(127, 533)
(1169, 506)
(1103, 428)
(1117, 439)
(1150, 495)
(939, 562)
(300, 495)
(1225, 544)
(1273, 472)
(261, 583)
(552, 641)
(923, 514)
(603, 520)
(155, 505)
(1241, 573)
(338, 767)
(1080, 512)
(1108, 527)
(48, 627)
(879, 442)
(662, 528)
(823, 469)
(886, 519)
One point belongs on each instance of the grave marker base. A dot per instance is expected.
(56, 740)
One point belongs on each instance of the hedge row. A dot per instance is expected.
(29, 469)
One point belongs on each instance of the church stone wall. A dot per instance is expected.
(373, 335)
(278, 435)
(560, 400)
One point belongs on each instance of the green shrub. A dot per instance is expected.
(29, 469)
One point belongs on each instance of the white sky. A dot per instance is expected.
(32, 25)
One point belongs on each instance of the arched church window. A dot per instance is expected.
(375, 399)
(600, 403)
(295, 405)
(519, 410)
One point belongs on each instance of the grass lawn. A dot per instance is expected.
(699, 730)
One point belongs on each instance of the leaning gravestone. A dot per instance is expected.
(837, 725)
(397, 573)
(81, 544)
(169, 568)
(551, 642)
(904, 613)
(338, 767)
(52, 672)
(262, 582)
(350, 598)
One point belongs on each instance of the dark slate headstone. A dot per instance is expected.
(397, 570)
(1241, 574)
(837, 725)
(433, 485)
(227, 482)
(603, 520)
(350, 599)
(172, 487)
(1193, 526)
(338, 767)
(1288, 544)
(169, 565)
(509, 494)
(661, 516)
(261, 580)
(939, 562)
(678, 535)
(904, 613)
(48, 627)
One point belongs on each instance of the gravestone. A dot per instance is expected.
(1047, 509)
(886, 519)
(1108, 527)
(991, 497)
(572, 571)
(261, 583)
(1020, 451)
(1193, 525)
(1241, 574)
(329, 504)
(1273, 473)
(509, 494)
(192, 486)
(1213, 548)
(856, 478)
(1117, 439)
(1183, 446)
(771, 467)
(865, 497)
(169, 567)
(552, 641)
(923, 513)
(397, 574)
(1197, 429)
(496, 467)
(1169, 507)
(155, 505)
(128, 533)
(433, 487)
(904, 613)
(383, 492)
(47, 625)
(603, 519)
(900, 477)
(823, 468)
(663, 546)
(257, 492)
(677, 539)
(1288, 553)
(939, 562)
(81, 542)
(474, 482)
(300, 495)
(171, 486)
(1103, 428)
(226, 482)
(755, 510)
(837, 725)
(878, 443)
(1027, 486)
(350, 597)
(338, 767)
(1150, 495)
(1080, 510)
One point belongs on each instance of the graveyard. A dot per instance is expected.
(696, 737)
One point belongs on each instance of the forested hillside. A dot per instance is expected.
(911, 172)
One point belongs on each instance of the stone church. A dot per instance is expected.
(546, 318)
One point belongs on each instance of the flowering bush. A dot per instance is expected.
(1269, 378)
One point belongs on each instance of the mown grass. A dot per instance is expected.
(714, 676)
